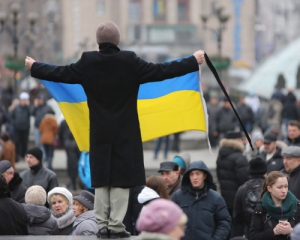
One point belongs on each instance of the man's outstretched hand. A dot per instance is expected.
(199, 55)
(28, 62)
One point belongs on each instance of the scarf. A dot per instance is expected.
(36, 168)
(286, 210)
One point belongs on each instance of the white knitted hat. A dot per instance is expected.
(35, 195)
(63, 191)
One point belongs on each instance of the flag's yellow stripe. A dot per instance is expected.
(175, 112)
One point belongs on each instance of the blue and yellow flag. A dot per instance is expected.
(170, 106)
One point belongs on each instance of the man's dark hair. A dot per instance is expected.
(294, 123)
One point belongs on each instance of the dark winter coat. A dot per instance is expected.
(275, 163)
(12, 217)
(226, 120)
(85, 224)
(260, 227)
(232, 169)
(293, 142)
(39, 112)
(44, 178)
(17, 190)
(20, 117)
(40, 221)
(245, 112)
(208, 217)
(111, 80)
(240, 220)
(294, 181)
(289, 110)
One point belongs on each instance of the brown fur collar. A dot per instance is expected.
(232, 143)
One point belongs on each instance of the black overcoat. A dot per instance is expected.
(111, 80)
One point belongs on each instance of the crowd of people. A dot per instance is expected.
(258, 190)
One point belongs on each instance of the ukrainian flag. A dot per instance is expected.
(170, 106)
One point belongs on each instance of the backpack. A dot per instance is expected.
(252, 197)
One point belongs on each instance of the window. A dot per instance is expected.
(100, 7)
(135, 7)
(183, 9)
(159, 9)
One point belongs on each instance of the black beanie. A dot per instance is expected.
(36, 152)
(257, 166)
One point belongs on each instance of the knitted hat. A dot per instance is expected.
(257, 136)
(86, 199)
(183, 160)
(63, 191)
(4, 166)
(36, 152)
(108, 32)
(35, 195)
(24, 96)
(257, 166)
(160, 216)
(295, 235)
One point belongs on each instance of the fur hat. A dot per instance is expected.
(108, 32)
(36, 152)
(35, 195)
(63, 191)
(160, 216)
(257, 166)
(86, 199)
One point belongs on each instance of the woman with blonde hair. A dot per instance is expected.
(60, 200)
(278, 211)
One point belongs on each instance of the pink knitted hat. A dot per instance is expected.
(159, 216)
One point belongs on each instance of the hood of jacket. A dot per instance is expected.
(197, 165)
(89, 215)
(36, 213)
(146, 195)
(232, 143)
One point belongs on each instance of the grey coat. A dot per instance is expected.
(85, 224)
(44, 178)
(65, 222)
(40, 221)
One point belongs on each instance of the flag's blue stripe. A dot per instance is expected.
(63, 92)
(74, 93)
(159, 89)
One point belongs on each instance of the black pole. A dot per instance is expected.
(15, 43)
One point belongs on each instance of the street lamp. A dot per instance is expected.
(13, 32)
(223, 18)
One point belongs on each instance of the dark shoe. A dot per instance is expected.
(124, 234)
(103, 233)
